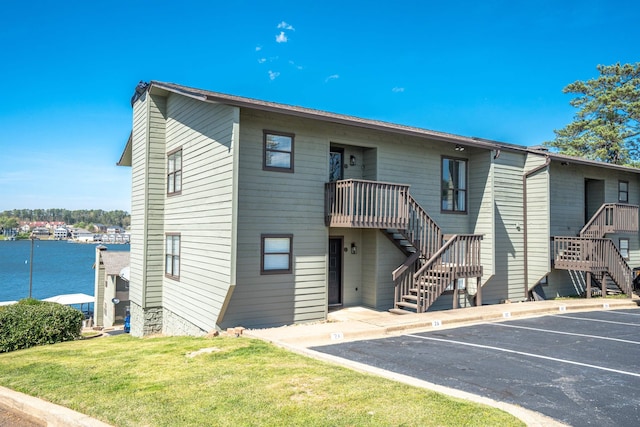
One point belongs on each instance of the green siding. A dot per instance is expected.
(202, 213)
(147, 199)
(280, 203)
(538, 221)
(567, 190)
(508, 279)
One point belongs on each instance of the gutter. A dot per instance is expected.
(524, 221)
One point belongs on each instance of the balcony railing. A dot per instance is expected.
(612, 218)
(366, 204)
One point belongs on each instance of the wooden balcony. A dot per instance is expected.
(612, 218)
(355, 203)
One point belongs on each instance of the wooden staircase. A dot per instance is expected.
(435, 262)
(596, 255)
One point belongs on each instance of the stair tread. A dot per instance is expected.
(407, 304)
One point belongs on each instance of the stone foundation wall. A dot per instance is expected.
(176, 325)
(145, 321)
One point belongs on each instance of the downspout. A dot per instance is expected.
(145, 230)
(524, 221)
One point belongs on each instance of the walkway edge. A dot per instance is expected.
(50, 413)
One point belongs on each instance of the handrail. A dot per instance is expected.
(618, 269)
(611, 218)
(459, 257)
(422, 231)
(403, 276)
(593, 255)
(366, 204)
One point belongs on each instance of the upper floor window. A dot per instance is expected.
(278, 151)
(623, 191)
(172, 256)
(454, 185)
(276, 253)
(174, 172)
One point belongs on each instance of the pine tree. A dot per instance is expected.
(607, 124)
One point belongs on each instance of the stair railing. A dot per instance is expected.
(593, 255)
(421, 230)
(459, 257)
(617, 268)
(403, 276)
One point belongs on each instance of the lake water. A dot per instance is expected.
(59, 267)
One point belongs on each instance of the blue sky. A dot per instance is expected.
(491, 69)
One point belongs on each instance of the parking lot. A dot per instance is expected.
(578, 368)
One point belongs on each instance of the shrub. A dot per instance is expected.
(31, 322)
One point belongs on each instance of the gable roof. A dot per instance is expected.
(292, 110)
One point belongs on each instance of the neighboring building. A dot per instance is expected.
(251, 213)
(115, 229)
(61, 233)
(82, 235)
(40, 232)
(100, 228)
(115, 238)
(111, 287)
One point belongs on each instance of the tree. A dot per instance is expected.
(607, 124)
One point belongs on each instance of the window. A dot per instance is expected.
(174, 172)
(623, 244)
(276, 253)
(278, 151)
(172, 256)
(454, 185)
(623, 191)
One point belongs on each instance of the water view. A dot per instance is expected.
(59, 267)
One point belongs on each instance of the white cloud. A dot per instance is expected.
(298, 67)
(262, 60)
(397, 89)
(332, 77)
(273, 75)
(284, 26)
(282, 37)
(258, 48)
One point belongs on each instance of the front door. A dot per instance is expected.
(335, 164)
(335, 271)
(593, 197)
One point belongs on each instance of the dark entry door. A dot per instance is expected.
(335, 271)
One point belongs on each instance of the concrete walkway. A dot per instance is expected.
(356, 323)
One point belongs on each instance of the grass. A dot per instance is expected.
(127, 381)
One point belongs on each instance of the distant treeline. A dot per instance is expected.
(90, 216)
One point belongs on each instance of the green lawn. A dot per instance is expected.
(127, 381)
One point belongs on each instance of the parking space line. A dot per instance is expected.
(561, 316)
(621, 312)
(564, 333)
(522, 353)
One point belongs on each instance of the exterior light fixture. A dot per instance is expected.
(459, 147)
(354, 248)
(352, 160)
